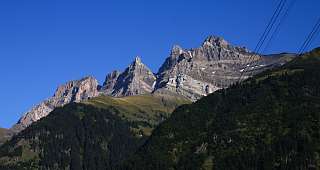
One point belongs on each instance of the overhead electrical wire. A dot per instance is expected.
(310, 37)
(265, 34)
(272, 24)
(282, 19)
(276, 30)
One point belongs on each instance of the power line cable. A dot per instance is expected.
(283, 18)
(307, 39)
(265, 34)
(310, 37)
(276, 30)
(270, 23)
(314, 37)
(277, 15)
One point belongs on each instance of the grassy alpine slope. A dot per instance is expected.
(271, 121)
(97, 134)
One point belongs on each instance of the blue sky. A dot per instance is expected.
(46, 43)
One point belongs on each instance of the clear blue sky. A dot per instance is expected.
(46, 43)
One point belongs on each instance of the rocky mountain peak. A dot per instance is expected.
(136, 64)
(136, 79)
(215, 41)
(219, 42)
(176, 50)
(137, 60)
(136, 67)
(76, 90)
(200, 71)
(72, 91)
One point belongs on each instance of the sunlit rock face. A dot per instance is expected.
(72, 91)
(137, 79)
(216, 64)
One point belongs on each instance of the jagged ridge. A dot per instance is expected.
(189, 73)
(216, 64)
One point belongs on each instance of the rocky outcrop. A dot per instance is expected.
(216, 64)
(73, 91)
(110, 82)
(135, 80)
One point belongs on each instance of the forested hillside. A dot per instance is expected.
(271, 121)
(97, 134)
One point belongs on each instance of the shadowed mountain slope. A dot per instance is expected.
(270, 121)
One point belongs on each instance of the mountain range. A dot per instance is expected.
(191, 74)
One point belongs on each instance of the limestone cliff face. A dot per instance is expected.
(73, 91)
(216, 64)
(135, 80)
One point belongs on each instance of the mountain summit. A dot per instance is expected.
(135, 80)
